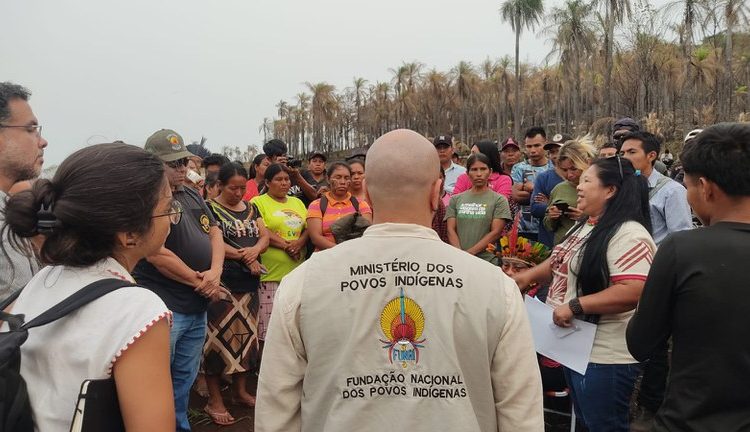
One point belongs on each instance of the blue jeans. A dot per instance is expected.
(186, 346)
(602, 396)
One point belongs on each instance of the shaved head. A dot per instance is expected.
(402, 170)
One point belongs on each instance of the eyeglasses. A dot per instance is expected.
(35, 129)
(177, 163)
(175, 213)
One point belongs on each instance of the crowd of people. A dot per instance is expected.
(352, 287)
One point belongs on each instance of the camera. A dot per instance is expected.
(294, 163)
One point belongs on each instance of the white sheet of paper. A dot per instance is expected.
(570, 348)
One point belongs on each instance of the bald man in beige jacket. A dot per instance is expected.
(398, 330)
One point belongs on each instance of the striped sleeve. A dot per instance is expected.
(630, 253)
(314, 210)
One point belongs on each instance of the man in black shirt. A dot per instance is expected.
(696, 292)
(185, 273)
(315, 175)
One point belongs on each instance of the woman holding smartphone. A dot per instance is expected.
(562, 213)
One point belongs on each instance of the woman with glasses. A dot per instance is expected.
(107, 207)
(284, 216)
(231, 347)
(597, 274)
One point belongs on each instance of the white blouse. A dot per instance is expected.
(58, 357)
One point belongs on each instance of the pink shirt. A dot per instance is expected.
(251, 190)
(499, 183)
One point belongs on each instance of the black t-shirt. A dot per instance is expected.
(698, 294)
(307, 175)
(189, 240)
(240, 230)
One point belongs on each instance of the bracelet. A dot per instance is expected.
(575, 306)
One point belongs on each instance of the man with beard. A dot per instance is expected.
(21, 158)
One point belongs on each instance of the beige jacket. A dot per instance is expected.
(398, 331)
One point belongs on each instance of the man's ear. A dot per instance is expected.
(707, 189)
(435, 194)
(367, 192)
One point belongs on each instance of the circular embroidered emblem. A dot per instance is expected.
(174, 141)
(205, 223)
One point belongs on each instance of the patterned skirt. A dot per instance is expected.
(232, 340)
(266, 293)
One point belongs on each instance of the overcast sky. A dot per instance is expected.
(105, 70)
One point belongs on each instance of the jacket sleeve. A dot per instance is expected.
(650, 325)
(279, 397)
(516, 381)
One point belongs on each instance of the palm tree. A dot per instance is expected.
(465, 90)
(266, 128)
(303, 114)
(359, 94)
(615, 12)
(573, 31)
(435, 102)
(692, 12)
(734, 10)
(321, 112)
(521, 14)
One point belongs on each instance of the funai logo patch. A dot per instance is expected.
(402, 322)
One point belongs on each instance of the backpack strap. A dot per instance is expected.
(659, 184)
(355, 203)
(81, 298)
(323, 205)
(10, 299)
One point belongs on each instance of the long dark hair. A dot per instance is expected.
(629, 203)
(489, 149)
(96, 193)
(253, 172)
(230, 170)
(477, 157)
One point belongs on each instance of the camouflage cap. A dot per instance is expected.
(167, 145)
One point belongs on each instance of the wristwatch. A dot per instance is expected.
(575, 306)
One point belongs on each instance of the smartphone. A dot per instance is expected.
(563, 207)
